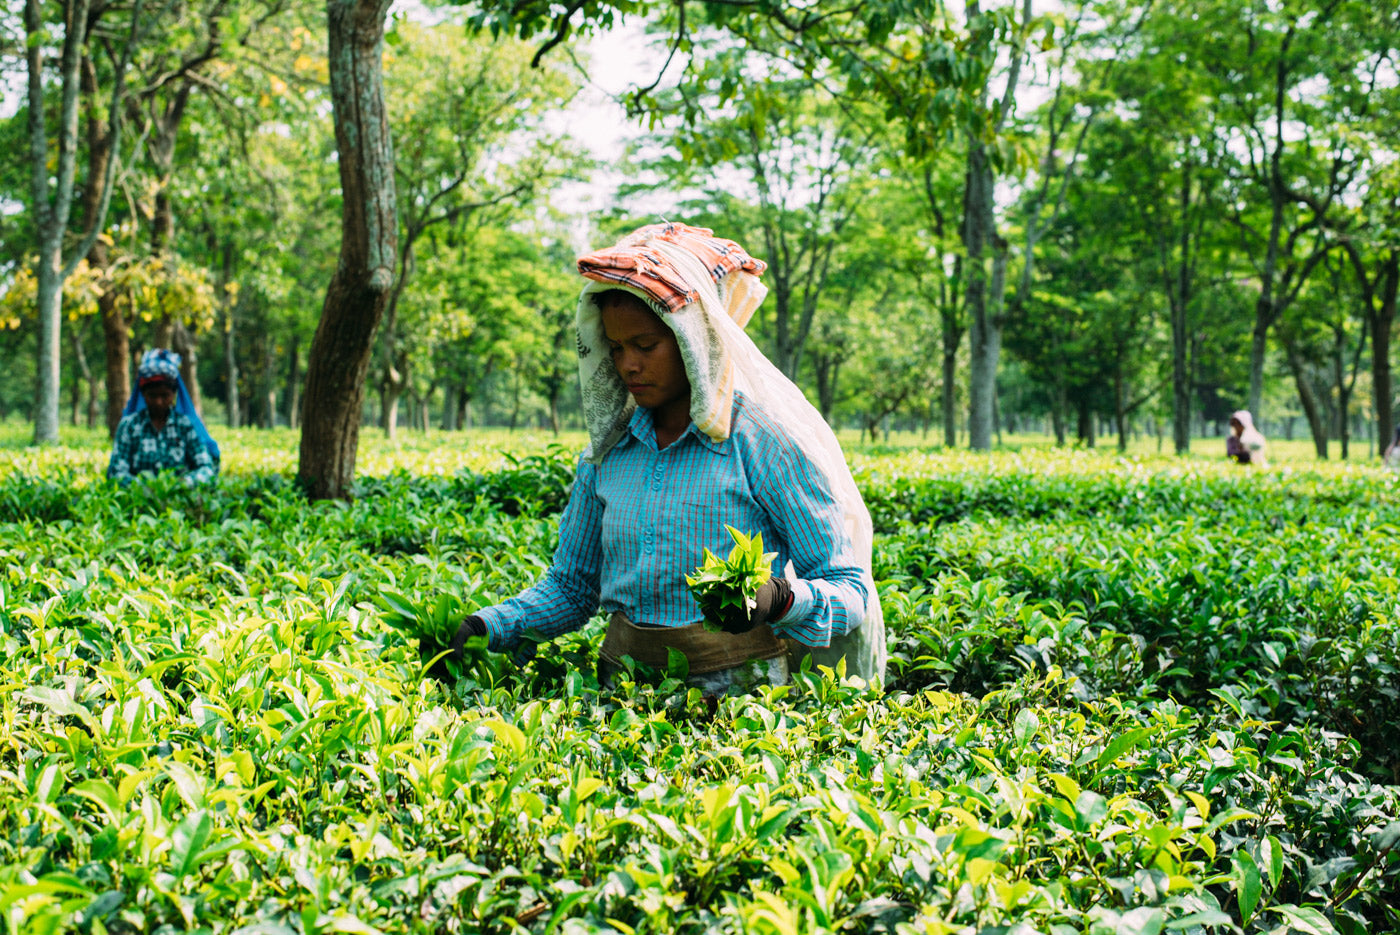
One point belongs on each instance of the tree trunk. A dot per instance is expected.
(1180, 301)
(117, 346)
(50, 323)
(183, 343)
(1311, 409)
(75, 388)
(986, 294)
(269, 383)
(515, 401)
(94, 402)
(450, 396)
(950, 387)
(1343, 402)
(84, 375)
(231, 400)
(1343, 391)
(359, 290)
(50, 214)
(823, 371)
(293, 394)
(1120, 414)
(163, 335)
(1086, 424)
(393, 390)
(1058, 405)
(996, 415)
(1259, 345)
(1383, 320)
(984, 331)
(1181, 385)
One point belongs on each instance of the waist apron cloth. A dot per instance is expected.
(718, 662)
(706, 289)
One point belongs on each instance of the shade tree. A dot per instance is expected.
(359, 289)
(1367, 226)
(52, 189)
(214, 49)
(1272, 71)
(913, 61)
(470, 121)
(893, 345)
(1164, 155)
(1325, 336)
(138, 67)
(511, 296)
(784, 169)
(937, 267)
(262, 206)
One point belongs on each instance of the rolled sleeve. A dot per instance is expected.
(828, 590)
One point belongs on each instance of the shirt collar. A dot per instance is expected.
(641, 429)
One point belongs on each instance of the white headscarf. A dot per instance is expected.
(707, 317)
(1251, 438)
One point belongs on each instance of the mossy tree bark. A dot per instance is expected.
(359, 290)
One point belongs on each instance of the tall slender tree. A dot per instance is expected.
(463, 109)
(51, 202)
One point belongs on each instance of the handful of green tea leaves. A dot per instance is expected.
(719, 584)
(434, 618)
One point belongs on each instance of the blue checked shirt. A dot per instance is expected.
(638, 522)
(140, 449)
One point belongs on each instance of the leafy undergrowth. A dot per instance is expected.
(1124, 697)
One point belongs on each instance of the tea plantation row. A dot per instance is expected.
(1124, 697)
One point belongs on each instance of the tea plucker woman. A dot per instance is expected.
(1245, 444)
(160, 429)
(692, 428)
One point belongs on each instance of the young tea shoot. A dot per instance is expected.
(719, 584)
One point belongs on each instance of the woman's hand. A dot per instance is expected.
(770, 603)
(428, 647)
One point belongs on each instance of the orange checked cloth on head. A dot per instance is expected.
(636, 262)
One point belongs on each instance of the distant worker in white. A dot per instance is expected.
(1245, 443)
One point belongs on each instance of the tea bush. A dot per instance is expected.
(1126, 696)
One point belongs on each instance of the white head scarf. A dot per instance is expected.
(707, 307)
(1251, 438)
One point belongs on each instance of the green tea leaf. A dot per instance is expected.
(187, 843)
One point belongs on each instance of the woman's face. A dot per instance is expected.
(160, 397)
(646, 355)
(1236, 426)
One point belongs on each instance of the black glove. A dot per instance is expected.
(428, 647)
(472, 625)
(770, 603)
